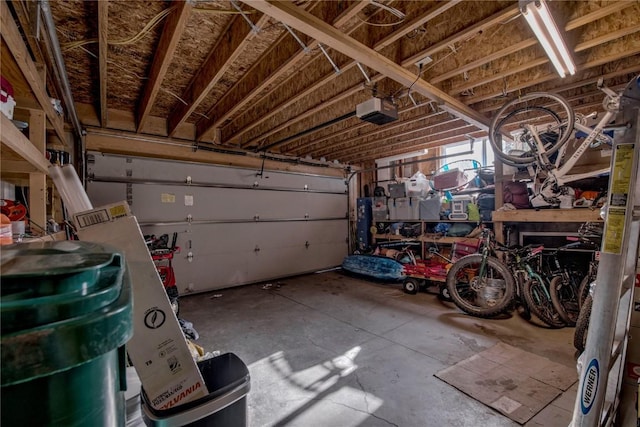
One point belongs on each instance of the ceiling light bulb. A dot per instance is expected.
(556, 37)
(542, 38)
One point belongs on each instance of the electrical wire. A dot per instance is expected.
(400, 21)
(147, 28)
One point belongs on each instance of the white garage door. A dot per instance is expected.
(235, 226)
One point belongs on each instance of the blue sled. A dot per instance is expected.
(379, 267)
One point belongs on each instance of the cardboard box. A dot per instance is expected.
(158, 348)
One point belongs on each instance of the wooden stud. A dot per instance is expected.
(103, 40)
(38, 180)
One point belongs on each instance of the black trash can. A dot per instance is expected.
(227, 379)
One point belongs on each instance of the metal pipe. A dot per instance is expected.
(63, 80)
(207, 185)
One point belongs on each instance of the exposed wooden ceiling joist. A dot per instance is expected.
(263, 74)
(325, 33)
(229, 48)
(171, 34)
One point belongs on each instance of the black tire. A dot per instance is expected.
(443, 293)
(470, 293)
(582, 324)
(540, 305)
(557, 121)
(583, 290)
(564, 297)
(411, 285)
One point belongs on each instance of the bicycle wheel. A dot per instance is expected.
(540, 304)
(486, 296)
(564, 298)
(550, 114)
(582, 325)
(585, 285)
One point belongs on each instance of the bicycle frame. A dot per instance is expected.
(560, 175)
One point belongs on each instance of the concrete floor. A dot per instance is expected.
(332, 350)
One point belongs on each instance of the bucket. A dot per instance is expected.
(66, 314)
(492, 292)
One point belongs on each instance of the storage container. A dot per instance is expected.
(404, 208)
(66, 313)
(430, 209)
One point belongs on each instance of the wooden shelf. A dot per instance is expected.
(548, 215)
(16, 142)
(426, 238)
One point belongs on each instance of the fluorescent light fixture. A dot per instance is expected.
(544, 27)
(386, 160)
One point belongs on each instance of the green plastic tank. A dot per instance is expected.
(66, 314)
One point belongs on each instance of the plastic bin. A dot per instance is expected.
(65, 316)
(227, 379)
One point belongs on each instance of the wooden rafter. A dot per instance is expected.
(225, 52)
(393, 37)
(103, 40)
(429, 130)
(169, 39)
(496, 18)
(634, 50)
(338, 138)
(264, 73)
(512, 69)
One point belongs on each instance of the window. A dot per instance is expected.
(482, 152)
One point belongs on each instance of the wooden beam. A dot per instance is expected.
(308, 113)
(228, 48)
(571, 25)
(263, 74)
(441, 130)
(444, 140)
(16, 166)
(103, 40)
(599, 13)
(13, 139)
(327, 79)
(121, 143)
(364, 141)
(171, 33)
(325, 33)
(320, 144)
(484, 60)
(11, 35)
(597, 41)
(416, 23)
(552, 76)
(38, 180)
(492, 20)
